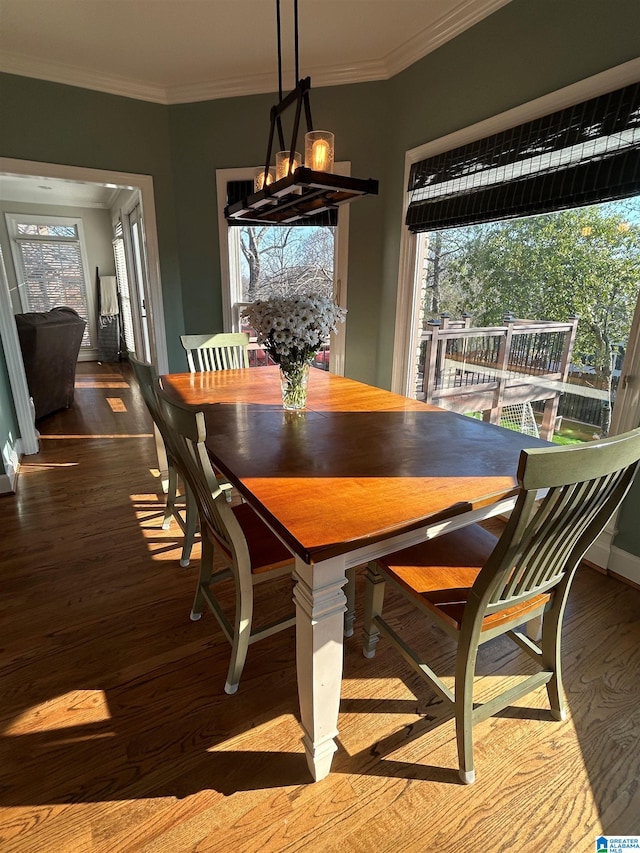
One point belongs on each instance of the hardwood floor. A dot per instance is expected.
(116, 734)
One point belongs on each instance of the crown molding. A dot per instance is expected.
(465, 15)
(71, 75)
(259, 84)
(232, 87)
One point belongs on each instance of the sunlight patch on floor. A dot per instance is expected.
(39, 467)
(274, 734)
(78, 708)
(83, 382)
(93, 436)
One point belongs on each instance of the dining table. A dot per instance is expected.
(359, 473)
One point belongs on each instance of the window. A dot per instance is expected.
(122, 277)
(482, 189)
(479, 202)
(574, 274)
(278, 260)
(51, 267)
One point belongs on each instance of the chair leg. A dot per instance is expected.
(190, 527)
(350, 590)
(551, 642)
(534, 629)
(241, 637)
(373, 601)
(465, 670)
(204, 578)
(172, 490)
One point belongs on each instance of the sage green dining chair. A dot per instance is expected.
(477, 587)
(181, 507)
(216, 352)
(250, 552)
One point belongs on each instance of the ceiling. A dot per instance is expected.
(178, 51)
(37, 190)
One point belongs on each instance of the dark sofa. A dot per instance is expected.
(50, 343)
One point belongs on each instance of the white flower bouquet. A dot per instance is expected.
(293, 329)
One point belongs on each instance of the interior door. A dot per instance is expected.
(138, 270)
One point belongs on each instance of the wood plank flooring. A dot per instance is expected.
(116, 734)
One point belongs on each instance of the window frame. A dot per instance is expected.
(229, 237)
(87, 353)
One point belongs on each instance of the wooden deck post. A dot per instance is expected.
(550, 412)
(495, 412)
(430, 360)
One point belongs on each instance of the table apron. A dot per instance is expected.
(429, 531)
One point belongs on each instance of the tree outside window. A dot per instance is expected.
(584, 261)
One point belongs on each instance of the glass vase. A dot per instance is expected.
(293, 383)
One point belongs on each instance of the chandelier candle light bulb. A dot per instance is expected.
(259, 181)
(282, 164)
(319, 150)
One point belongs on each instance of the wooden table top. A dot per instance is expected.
(359, 465)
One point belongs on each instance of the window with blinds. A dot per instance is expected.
(122, 277)
(584, 154)
(52, 271)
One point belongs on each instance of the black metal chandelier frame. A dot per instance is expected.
(302, 193)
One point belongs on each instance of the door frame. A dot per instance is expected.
(8, 330)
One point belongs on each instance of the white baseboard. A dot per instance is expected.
(625, 564)
(600, 552)
(7, 484)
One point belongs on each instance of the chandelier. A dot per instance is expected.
(292, 191)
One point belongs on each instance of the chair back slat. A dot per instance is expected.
(188, 429)
(586, 501)
(216, 352)
(541, 545)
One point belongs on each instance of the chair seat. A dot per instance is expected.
(266, 551)
(441, 572)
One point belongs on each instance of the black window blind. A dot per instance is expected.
(584, 154)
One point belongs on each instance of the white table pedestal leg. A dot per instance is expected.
(320, 607)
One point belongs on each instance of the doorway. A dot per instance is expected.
(146, 240)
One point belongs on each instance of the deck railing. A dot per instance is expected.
(484, 369)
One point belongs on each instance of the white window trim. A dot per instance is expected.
(89, 353)
(407, 297)
(28, 441)
(228, 239)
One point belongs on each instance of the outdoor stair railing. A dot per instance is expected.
(469, 369)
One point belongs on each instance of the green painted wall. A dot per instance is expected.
(523, 51)
(628, 537)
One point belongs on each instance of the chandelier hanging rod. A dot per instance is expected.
(295, 45)
(298, 192)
